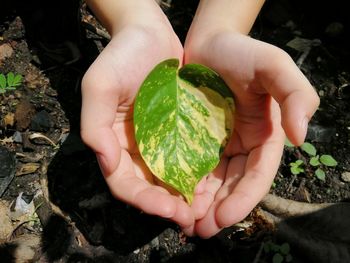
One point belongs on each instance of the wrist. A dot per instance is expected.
(225, 15)
(115, 15)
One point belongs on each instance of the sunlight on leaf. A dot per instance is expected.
(314, 161)
(308, 148)
(328, 160)
(183, 119)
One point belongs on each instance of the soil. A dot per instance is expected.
(76, 218)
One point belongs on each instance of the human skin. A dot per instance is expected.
(272, 97)
(141, 37)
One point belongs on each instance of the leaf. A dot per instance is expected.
(288, 143)
(320, 174)
(299, 162)
(183, 119)
(277, 258)
(17, 80)
(308, 148)
(285, 248)
(10, 78)
(314, 161)
(295, 169)
(328, 160)
(289, 258)
(2, 81)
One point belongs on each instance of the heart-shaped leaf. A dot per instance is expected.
(183, 119)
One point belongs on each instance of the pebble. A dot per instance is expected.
(346, 177)
(6, 51)
(41, 121)
(17, 137)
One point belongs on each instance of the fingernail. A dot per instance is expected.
(304, 125)
(102, 162)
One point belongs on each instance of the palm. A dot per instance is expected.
(111, 84)
(252, 156)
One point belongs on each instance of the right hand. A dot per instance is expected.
(109, 88)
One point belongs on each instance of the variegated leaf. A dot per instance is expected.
(183, 119)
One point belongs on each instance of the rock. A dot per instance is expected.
(6, 51)
(23, 115)
(7, 168)
(17, 137)
(41, 121)
(346, 177)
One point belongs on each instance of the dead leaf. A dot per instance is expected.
(6, 226)
(9, 119)
(23, 115)
(28, 168)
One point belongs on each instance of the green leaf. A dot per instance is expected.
(277, 258)
(295, 167)
(267, 247)
(183, 119)
(2, 82)
(288, 143)
(314, 161)
(285, 248)
(320, 174)
(299, 162)
(289, 258)
(10, 78)
(308, 148)
(17, 80)
(328, 160)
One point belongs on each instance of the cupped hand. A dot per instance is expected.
(272, 98)
(108, 89)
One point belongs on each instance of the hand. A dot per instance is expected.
(261, 76)
(109, 88)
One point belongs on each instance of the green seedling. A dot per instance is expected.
(296, 167)
(281, 253)
(317, 161)
(9, 81)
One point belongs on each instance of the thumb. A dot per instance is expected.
(99, 105)
(298, 100)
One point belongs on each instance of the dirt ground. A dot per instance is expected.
(55, 205)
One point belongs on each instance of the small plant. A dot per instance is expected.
(295, 167)
(317, 161)
(9, 81)
(281, 253)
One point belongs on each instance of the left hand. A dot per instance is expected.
(270, 93)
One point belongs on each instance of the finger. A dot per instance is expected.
(203, 199)
(209, 226)
(281, 77)
(99, 105)
(140, 193)
(260, 169)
